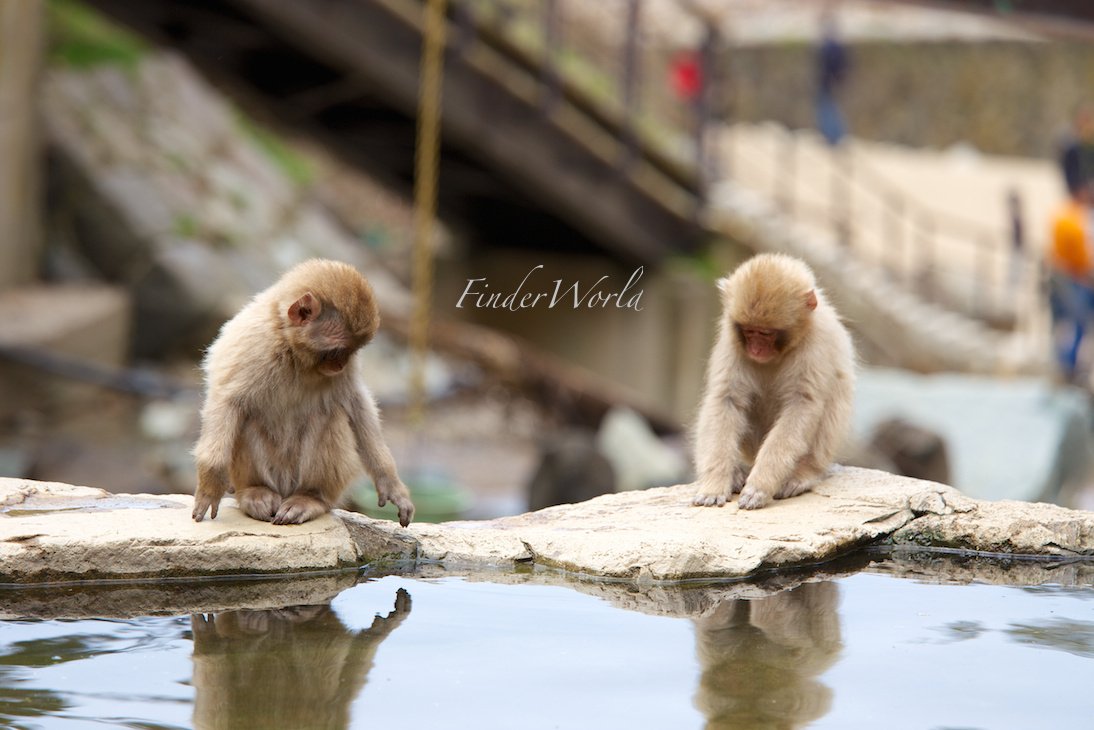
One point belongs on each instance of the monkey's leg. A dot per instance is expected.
(212, 485)
(300, 508)
(718, 449)
(375, 455)
(260, 502)
(805, 477)
(788, 444)
(740, 476)
(221, 424)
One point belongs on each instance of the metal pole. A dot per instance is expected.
(786, 172)
(631, 80)
(550, 90)
(902, 266)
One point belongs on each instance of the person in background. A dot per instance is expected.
(1071, 278)
(831, 64)
(1077, 151)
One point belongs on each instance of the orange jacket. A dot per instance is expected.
(1071, 252)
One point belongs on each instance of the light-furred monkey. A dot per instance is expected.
(779, 387)
(287, 420)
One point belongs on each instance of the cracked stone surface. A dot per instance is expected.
(62, 532)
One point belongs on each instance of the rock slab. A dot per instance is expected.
(54, 532)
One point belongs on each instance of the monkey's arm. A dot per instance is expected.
(221, 425)
(721, 425)
(784, 447)
(375, 455)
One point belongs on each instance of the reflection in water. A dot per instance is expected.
(1074, 637)
(761, 658)
(292, 667)
(17, 702)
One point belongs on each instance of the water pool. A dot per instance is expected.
(865, 650)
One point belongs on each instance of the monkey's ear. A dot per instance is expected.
(723, 285)
(304, 309)
(811, 299)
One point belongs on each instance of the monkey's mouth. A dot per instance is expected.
(333, 362)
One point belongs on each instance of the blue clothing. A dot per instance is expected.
(830, 119)
(831, 70)
(1077, 164)
(831, 65)
(1072, 304)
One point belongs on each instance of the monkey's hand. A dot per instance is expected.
(204, 502)
(399, 495)
(212, 484)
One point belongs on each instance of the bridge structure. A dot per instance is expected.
(577, 123)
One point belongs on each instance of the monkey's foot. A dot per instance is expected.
(753, 498)
(259, 502)
(794, 487)
(711, 496)
(299, 509)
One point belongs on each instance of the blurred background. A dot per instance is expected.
(162, 160)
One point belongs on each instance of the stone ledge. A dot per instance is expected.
(57, 532)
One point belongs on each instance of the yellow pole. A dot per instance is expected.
(426, 173)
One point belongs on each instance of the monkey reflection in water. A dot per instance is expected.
(761, 658)
(294, 667)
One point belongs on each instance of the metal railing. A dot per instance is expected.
(618, 63)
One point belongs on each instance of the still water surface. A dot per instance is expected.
(863, 651)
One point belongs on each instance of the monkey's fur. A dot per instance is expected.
(287, 420)
(779, 387)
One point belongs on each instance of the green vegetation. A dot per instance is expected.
(293, 164)
(186, 226)
(82, 37)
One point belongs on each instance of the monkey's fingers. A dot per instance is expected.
(710, 495)
(752, 498)
(402, 601)
(406, 510)
(203, 505)
(298, 509)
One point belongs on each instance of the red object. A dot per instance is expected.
(686, 75)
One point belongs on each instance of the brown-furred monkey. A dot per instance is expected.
(779, 387)
(287, 420)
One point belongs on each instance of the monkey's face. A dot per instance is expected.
(762, 344)
(323, 335)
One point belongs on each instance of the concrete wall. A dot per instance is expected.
(1011, 98)
(658, 354)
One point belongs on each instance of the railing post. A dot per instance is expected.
(902, 266)
(631, 80)
(927, 261)
(704, 161)
(982, 277)
(550, 80)
(1017, 236)
(839, 203)
(787, 172)
(466, 30)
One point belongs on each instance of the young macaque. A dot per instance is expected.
(779, 386)
(287, 421)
